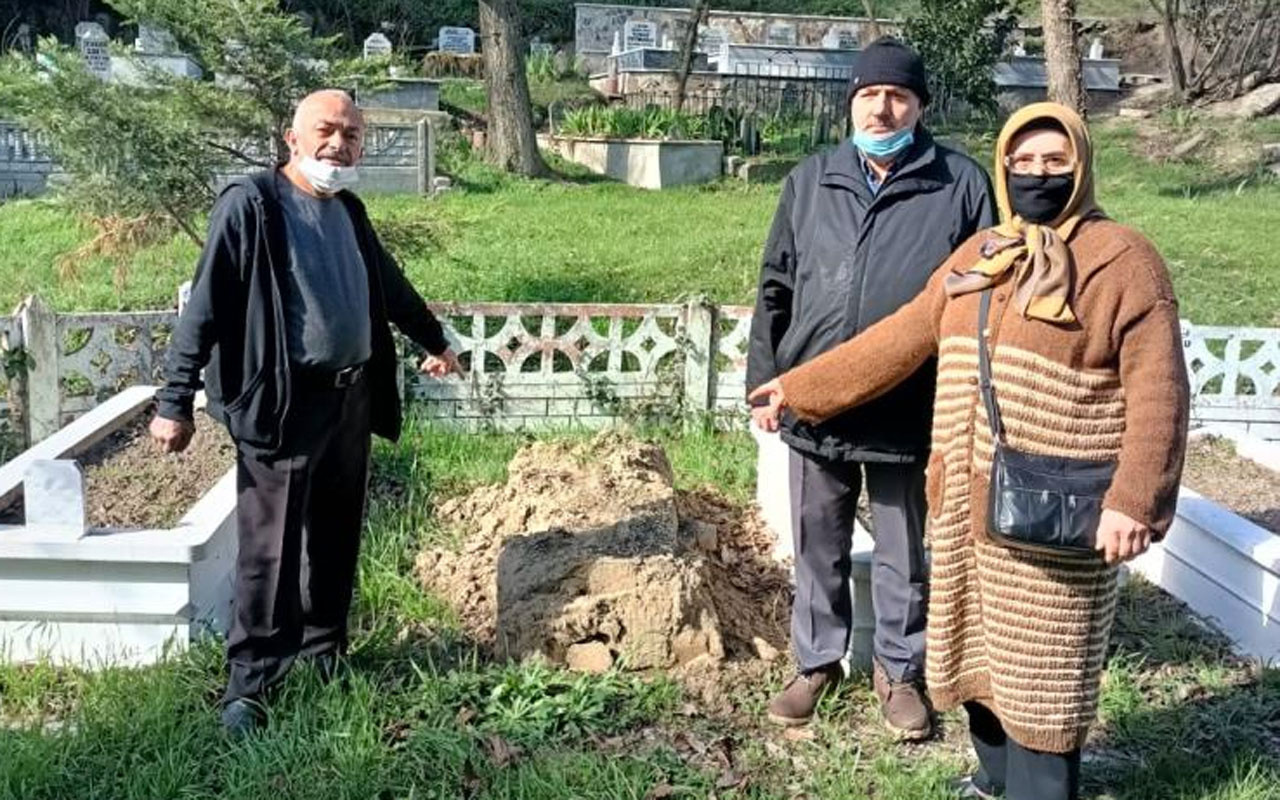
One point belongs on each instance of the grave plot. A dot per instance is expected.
(110, 551)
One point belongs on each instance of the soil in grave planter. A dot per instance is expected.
(1246, 487)
(130, 483)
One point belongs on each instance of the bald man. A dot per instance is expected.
(289, 321)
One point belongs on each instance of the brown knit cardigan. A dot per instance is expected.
(1026, 634)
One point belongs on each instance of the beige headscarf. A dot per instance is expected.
(1037, 254)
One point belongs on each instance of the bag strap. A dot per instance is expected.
(984, 370)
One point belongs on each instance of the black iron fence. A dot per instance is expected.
(764, 114)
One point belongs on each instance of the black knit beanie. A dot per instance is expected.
(887, 60)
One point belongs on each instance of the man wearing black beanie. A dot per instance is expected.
(857, 233)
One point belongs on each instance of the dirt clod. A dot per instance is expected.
(589, 557)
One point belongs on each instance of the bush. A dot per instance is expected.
(961, 41)
(618, 122)
(453, 65)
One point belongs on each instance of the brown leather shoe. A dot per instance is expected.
(904, 705)
(794, 705)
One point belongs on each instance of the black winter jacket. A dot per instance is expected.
(839, 259)
(234, 320)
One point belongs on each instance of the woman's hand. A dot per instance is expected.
(1121, 538)
(766, 414)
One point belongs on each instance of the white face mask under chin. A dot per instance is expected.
(327, 178)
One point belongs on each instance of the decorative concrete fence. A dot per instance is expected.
(95, 597)
(547, 365)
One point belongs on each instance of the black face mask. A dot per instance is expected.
(1040, 198)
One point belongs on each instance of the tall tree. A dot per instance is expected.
(697, 16)
(1062, 53)
(511, 141)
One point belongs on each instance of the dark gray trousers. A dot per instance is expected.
(824, 497)
(300, 509)
(1019, 773)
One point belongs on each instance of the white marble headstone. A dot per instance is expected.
(639, 33)
(1095, 49)
(53, 498)
(377, 44)
(713, 41)
(93, 43)
(457, 40)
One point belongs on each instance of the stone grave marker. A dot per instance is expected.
(92, 41)
(713, 41)
(153, 40)
(781, 33)
(53, 491)
(840, 39)
(376, 45)
(457, 40)
(639, 33)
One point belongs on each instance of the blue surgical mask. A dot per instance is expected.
(886, 145)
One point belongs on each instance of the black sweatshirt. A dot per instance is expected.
(234, 320)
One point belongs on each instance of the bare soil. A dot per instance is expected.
(589, 557)
(129, 483)
(1246, 487)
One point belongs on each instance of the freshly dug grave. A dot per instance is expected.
(1246, 487)
(130, 483)
(588, 556)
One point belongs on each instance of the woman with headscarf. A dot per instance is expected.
(1084, 361)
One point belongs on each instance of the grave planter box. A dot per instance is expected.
(647, 163)
(1223, 566)
(99, 597)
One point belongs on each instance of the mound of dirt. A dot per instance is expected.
(588, 556)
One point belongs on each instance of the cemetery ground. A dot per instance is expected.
(424, 713)
(582, 239)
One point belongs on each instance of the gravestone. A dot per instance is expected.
(53, 492)
(1095, 49)
(92, 41)
(457, 40)
(840, 39)
(377, 44)
(713, 41)
(639, 33)
(154, 41)
(782, 34)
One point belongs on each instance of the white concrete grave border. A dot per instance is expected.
(1224, 567)
(113, 597)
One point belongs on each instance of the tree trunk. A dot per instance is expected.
(1062, 54)
(873, 29)
(696, 17)
(510, 138)
(1169, 11)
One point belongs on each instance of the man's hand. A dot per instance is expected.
(172, 435)
(766, 416)
(441, 365)
(1121, 538)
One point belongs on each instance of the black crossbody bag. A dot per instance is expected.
(1048, 504)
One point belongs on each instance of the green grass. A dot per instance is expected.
(581, 239)
(425, 716)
